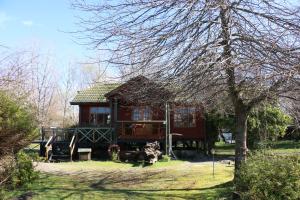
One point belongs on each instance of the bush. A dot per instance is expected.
(165, 158)
(269, 177)
(266, 123)
(115, 156)
(18, 125)
(23, 173)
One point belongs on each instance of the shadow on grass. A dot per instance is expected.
(225, 146)
(54, 187)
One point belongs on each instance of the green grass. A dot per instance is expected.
(110, 165)
(224, 150)
(286, 146)
(164, 180)
(180, 180)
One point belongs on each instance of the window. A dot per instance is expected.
(99, 115)
(141, 113)
(185, 117)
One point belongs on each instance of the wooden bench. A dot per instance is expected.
(84, 154)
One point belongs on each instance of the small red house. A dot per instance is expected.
(138, 113)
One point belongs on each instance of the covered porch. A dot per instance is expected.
(149, 130)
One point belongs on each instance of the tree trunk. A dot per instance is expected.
(241, 137)
(241, 111)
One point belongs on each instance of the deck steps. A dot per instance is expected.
(60, 151)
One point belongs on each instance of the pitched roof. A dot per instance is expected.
(141, 89)
(94, 94)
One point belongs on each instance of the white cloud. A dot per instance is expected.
(27, 23)
(4, 18)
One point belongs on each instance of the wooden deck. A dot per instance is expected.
(141, 130)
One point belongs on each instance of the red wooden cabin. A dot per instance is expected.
(109, 105)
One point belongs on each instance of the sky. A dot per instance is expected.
(40, 22)
(44, 26)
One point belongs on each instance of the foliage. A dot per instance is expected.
(115, 156)
(23, 173)
(267, 123)
(214, 122)
(267, 176)
(18, 125)
(17, 129)
(165, 158)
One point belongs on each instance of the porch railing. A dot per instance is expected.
(141, 129)
(92, 134)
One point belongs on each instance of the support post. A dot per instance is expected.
(115, 120)
(167, 118)
(111, 113)
(42, 148)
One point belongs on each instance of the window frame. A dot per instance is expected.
(141, 113)
(185, 117)
(99, 112)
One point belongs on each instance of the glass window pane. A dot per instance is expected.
(185, 117)
(141, 113)
(100, 110)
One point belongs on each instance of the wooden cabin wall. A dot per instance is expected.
(125, 114)
(190, 133)
(84, 112)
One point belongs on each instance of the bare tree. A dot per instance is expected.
(29, 77)
(246, 50)
(67, 90)
(14, 73)
(42, 86)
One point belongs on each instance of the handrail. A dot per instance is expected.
(49, 140)
(72, 146)
(73, 138)
(48, 147)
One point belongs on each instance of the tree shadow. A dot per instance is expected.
(113, 186)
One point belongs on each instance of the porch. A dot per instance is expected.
(149, 130)
(63, 143)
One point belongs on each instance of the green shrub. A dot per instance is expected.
(115, 156)
(165, 158)
(266, 176)
(266, 123)
(18, 124)
(33, 155)
(2, 193)
(23, 173)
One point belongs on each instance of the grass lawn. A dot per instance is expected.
(285, 146)
(164, 180)
(224, 150)
(108, 180)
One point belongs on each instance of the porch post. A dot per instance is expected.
(111, 113)
(115, 119)
(167, 120)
